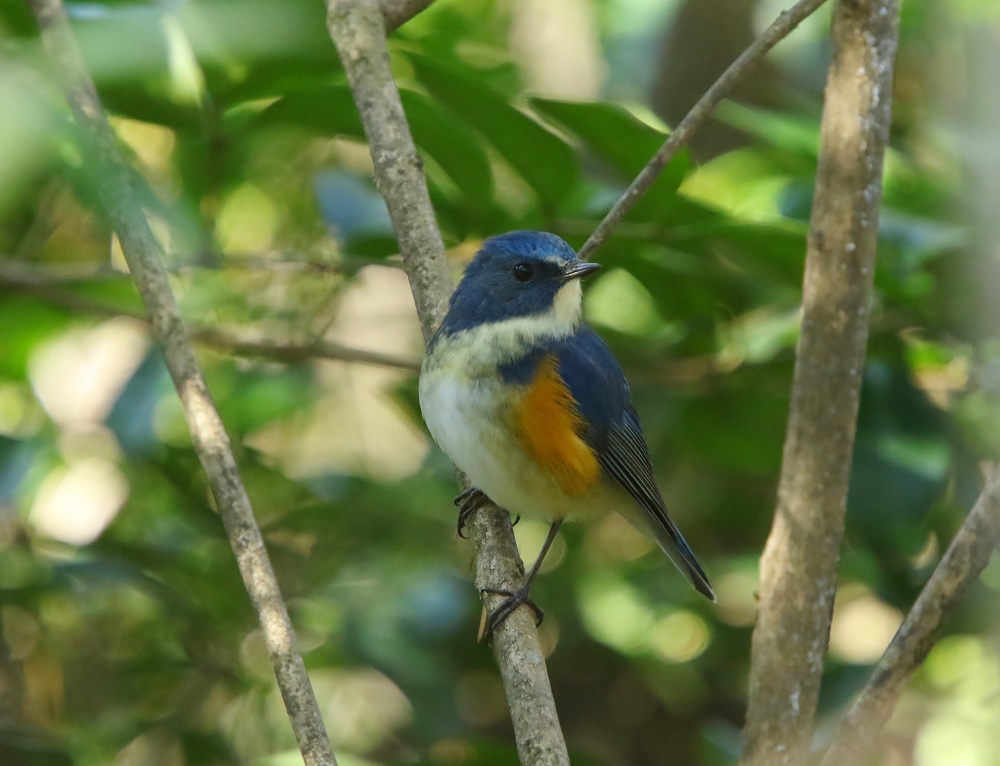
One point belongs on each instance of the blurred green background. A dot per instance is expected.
(127, 637)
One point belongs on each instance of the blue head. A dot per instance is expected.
(521, 274)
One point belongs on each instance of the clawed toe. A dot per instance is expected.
(507, 607)
(468, 503)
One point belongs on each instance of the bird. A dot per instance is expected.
(531, 405)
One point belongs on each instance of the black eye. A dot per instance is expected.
(523, 271)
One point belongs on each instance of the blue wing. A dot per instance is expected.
(598, 385)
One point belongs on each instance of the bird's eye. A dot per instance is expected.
(523, 271)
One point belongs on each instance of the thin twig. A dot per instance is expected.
(53, 291)
(680, 135)
(966, 557)
(799, 565)
(358, 32)
(237, 343)
(118, 196)
(291, 352)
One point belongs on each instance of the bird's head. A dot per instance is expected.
(522, 279)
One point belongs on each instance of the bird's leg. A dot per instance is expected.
(468, 503)
(520, 596)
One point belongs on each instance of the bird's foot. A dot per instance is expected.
(498, 616)
(468, 503)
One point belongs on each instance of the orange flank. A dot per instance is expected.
(550, 429)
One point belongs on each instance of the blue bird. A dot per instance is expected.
(532, 406)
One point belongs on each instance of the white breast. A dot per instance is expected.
(466, 418)
(469, 417)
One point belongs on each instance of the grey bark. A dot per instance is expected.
(358, 31)
(967, 556)
(799, 565)
(117, 193)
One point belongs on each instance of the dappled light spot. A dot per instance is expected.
(680, 636)
(76, 502)
(619, 301)
(367, 706)
(79, 375)
(862, 628)
(615, 613)
(153, 144)
(530, 535)
(615, 540)
(961, 731)
(247, 221)
(736, 592)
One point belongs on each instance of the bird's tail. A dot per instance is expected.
(672, 542)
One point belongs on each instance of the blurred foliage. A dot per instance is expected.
(127, 637)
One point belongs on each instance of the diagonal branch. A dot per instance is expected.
(966, 557)
(680, 135)
(117, 194)
(799, 565)
(358, 31)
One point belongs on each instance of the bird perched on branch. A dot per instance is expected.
(532, 406)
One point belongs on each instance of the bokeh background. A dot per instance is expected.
(126, 636)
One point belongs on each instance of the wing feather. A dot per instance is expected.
(601, 392)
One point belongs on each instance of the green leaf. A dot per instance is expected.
(452, 145)
(250, 399)
(540, 157)
(25, 324)
(790, 132)
(618, 137)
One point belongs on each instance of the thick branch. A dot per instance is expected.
(118, 198)
(354, 27)
(700, 112)
(799, 565)
(357, 29)
(966, 557)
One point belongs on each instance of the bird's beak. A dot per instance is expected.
(580, 269)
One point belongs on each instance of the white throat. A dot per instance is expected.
(487, 345)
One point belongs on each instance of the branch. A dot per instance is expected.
(230, 342)
(799, 565)
(680, 135)
(142, 252)
(966, 557)
(291, 352)
(62, 273)
(50, 290)
(357, 29)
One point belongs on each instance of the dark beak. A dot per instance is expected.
(580, 269)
